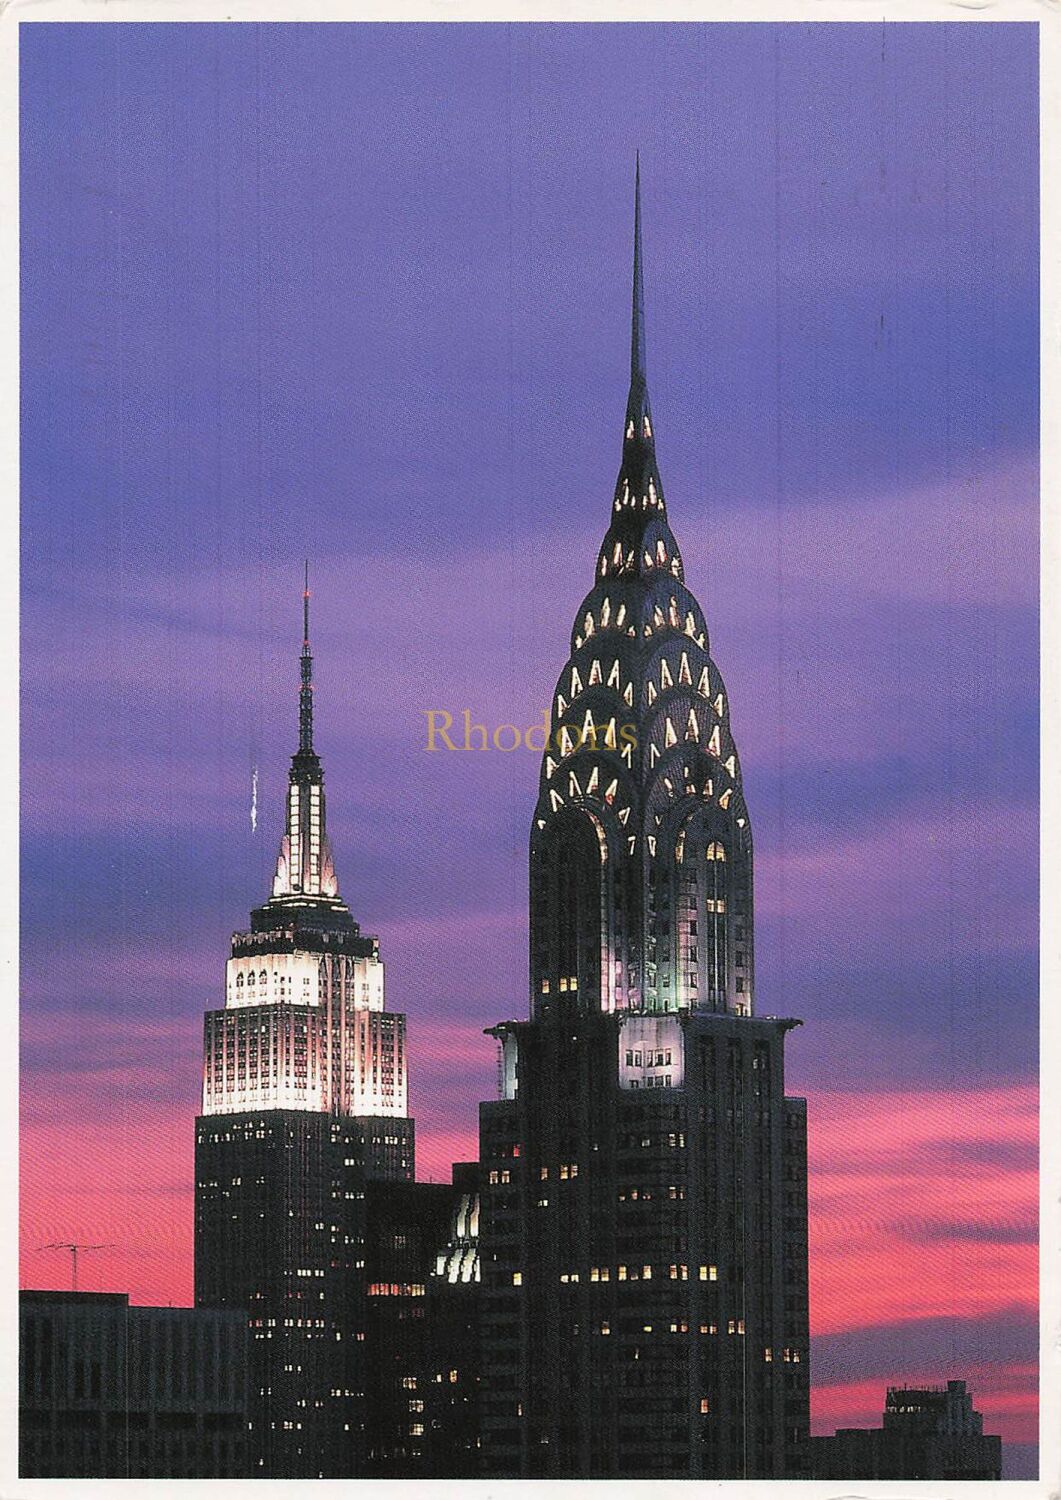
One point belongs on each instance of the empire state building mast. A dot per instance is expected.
(304, 866)
(643, 1224)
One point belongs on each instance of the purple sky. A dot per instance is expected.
(361, 294)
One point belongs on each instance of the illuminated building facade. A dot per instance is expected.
(303, 1110)
(643, 1224)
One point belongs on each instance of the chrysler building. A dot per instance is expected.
(643, 1227)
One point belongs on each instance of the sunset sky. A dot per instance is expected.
(361, 295)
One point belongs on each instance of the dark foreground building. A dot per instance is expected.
(929, 1432)
(643, 1223)
(405, 1223)
(109, 1391)
(304, 1111)
(451, 1380)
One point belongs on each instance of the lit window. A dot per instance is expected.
(704, 1407)
(517, 1278)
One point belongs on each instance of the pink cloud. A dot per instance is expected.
(911, 1204)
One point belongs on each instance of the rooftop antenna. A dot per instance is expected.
(73, 1248)
(305, 699)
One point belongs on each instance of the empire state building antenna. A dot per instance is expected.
(305, 698)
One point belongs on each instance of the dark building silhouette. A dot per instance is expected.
(109, 1391)
(450, 1382)
(643, 1220)
(304, 1110)
(929, 1432)
(420, 1318)
(405, 1223)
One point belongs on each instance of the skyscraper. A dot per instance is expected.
(643, 1222)
(304, 1106)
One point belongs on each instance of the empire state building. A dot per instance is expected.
(643, 1225)
(303, 1111)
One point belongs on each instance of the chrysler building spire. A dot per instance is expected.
(637, 331)
(639, 449)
